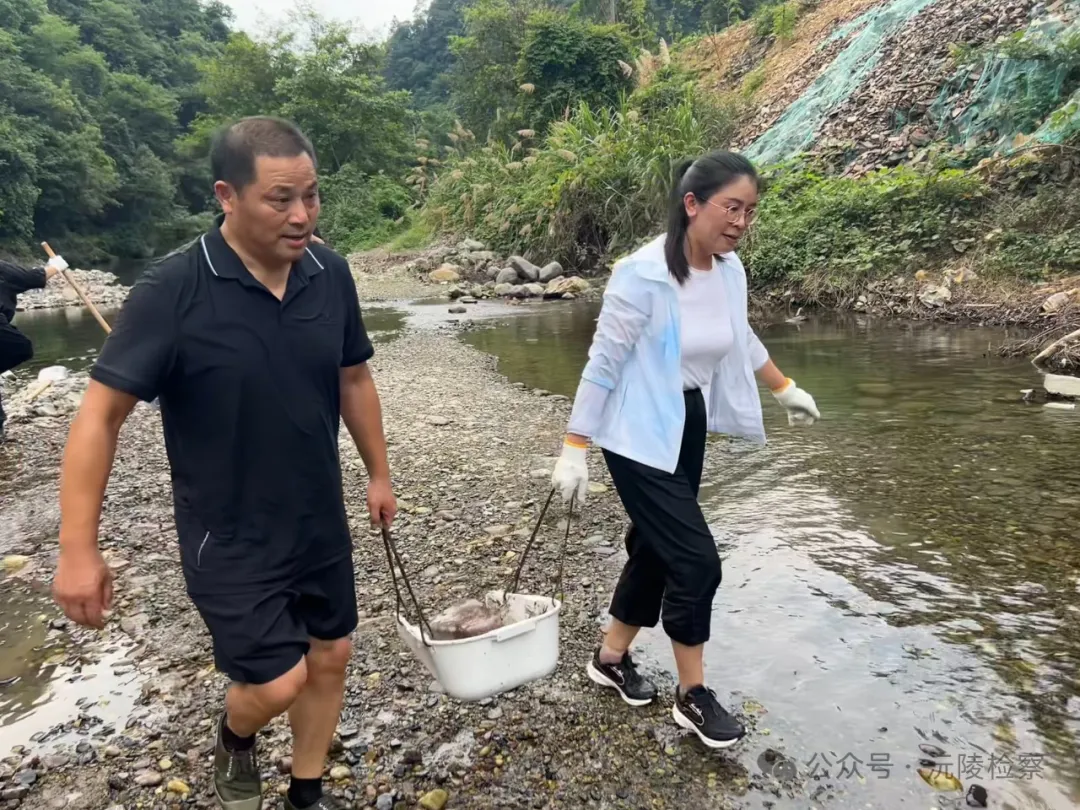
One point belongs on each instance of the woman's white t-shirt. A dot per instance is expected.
(706, 335)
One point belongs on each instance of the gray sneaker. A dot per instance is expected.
(325, 802)
(236, 776)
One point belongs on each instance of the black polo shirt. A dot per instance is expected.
(249, 388)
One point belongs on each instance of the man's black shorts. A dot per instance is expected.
(261, 627)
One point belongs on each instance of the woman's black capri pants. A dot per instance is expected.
(674, 567)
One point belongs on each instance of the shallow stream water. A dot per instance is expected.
(906, 572)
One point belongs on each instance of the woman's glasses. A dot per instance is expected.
(736, 212)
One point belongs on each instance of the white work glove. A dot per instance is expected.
(57, 263)
(571, 475)
(801, 408)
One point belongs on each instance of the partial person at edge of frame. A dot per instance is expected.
(15, 347)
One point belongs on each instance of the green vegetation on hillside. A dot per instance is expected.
(107, 107)
(92, 98)
(838, 230)
(592, 184)
(543, 127)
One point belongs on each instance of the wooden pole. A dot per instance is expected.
(80, 292)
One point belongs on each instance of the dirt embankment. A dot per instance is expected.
(1035, 315)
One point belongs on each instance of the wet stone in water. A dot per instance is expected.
(26, 778)
(930, 750)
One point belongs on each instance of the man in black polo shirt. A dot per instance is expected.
(251, 339)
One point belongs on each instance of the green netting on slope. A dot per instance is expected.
(1024, 90)
(798, 126)
(1063, 124)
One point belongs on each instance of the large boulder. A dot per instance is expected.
(934, 295)
(549, 272)
(526, 270)
(1059, 300)
(572, 285)
(508, 275)
(446, 274)
(533, 290)
(481, 257)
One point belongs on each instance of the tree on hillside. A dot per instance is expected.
(312, 73)
(521, 64)
(418, 52)
(568, 61)
(92, 95)
(485, 91)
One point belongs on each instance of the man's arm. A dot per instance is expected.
(362, 414)
(87, 463)
(19, 279)
(83, 583)
(360, 408)
(133, 363)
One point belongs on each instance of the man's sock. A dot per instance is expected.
(304, 792)
(232, 741)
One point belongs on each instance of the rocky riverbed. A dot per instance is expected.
(104, 289)
(471, 470)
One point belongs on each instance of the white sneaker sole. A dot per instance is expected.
(685, 722)
(598, 677)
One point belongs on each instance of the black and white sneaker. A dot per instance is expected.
(623, 678)
(700, 712)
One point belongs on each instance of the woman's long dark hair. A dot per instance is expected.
(703, 178)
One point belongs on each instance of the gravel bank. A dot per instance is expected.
(104, 289)
(464, 451)
(383, 276)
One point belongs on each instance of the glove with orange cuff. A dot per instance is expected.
(571, 475)
(800, 406)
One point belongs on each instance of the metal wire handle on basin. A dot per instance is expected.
(562, 553)
(393, 557)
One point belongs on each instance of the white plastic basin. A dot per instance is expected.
(525, 649)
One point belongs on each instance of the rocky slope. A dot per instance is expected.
(903, 86)
(884, 121)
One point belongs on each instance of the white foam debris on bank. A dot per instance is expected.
(57, 391)
(1062, 385)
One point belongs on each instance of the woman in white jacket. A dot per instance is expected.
(674, 358)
